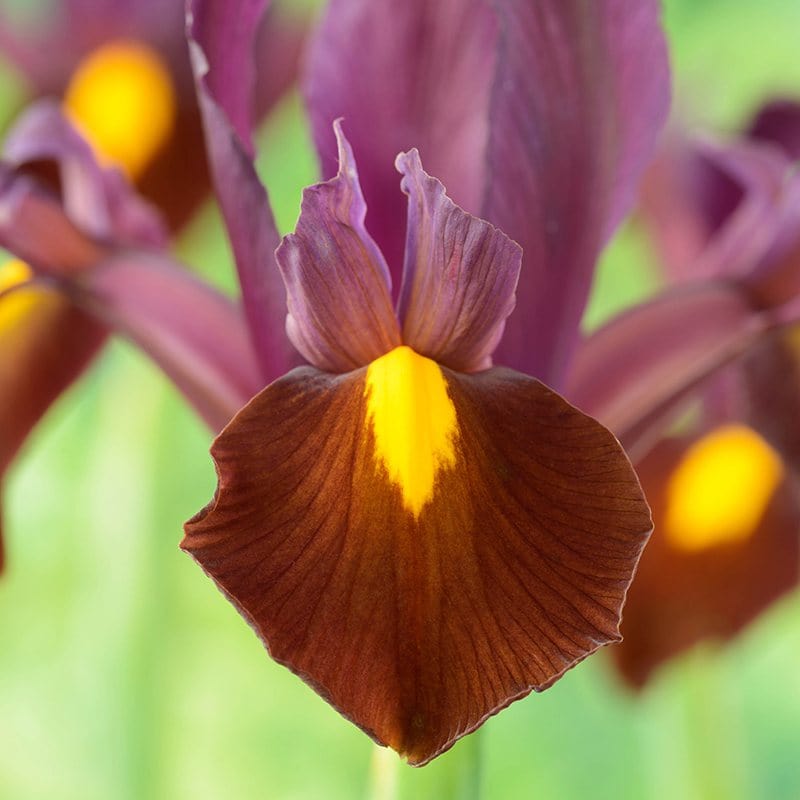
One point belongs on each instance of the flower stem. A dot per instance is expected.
(467, 768)
(456, 775)
(383, 774)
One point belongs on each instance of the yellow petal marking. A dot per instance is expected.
(122, 99)
(413, 421)
(721, 488)
(14, 306)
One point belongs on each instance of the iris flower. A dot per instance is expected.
(90, 256)
(701, 385)
(421, 536)
(122, 73)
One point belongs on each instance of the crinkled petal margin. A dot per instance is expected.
(337, 282)
(459, 276)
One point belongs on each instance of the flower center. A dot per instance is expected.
(721, 488)
(122, 99)
(413, 421)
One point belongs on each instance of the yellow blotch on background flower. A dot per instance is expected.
(122, 99)
(721, 489)
(14, 306)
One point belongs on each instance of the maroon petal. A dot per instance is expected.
(681, 597)
(420, 76)
(459, 276)
(340, 307)
(581, 93)
(633, 372)
(418, 625)
(44, 344)
(196, 335)
(221, 36)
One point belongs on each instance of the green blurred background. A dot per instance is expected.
(124, 674)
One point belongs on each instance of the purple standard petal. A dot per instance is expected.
(402, 75)
(727, 211)
(633, 373)
(459, 276)
(340, 307)
(221, 35)
(742, 239)
(98, 201)
(196, 335)
(581, 93)
(685, 199)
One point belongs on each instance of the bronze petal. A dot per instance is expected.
(418, 623)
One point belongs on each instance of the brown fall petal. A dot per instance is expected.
(681, 597)
(417, 627)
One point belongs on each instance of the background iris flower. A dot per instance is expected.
(122, 74)
(122, 68)
(92, 256)
(716, 440)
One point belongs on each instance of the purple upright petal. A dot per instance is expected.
(749, 233)
(734, 195)
(222, 42)
(221, 35)
(338, 285)
(633, 373)
(728, 211)
(280, 47)
(196, 335)
(581, 93)
(402, 75)
(459, 276)
(685, 199)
